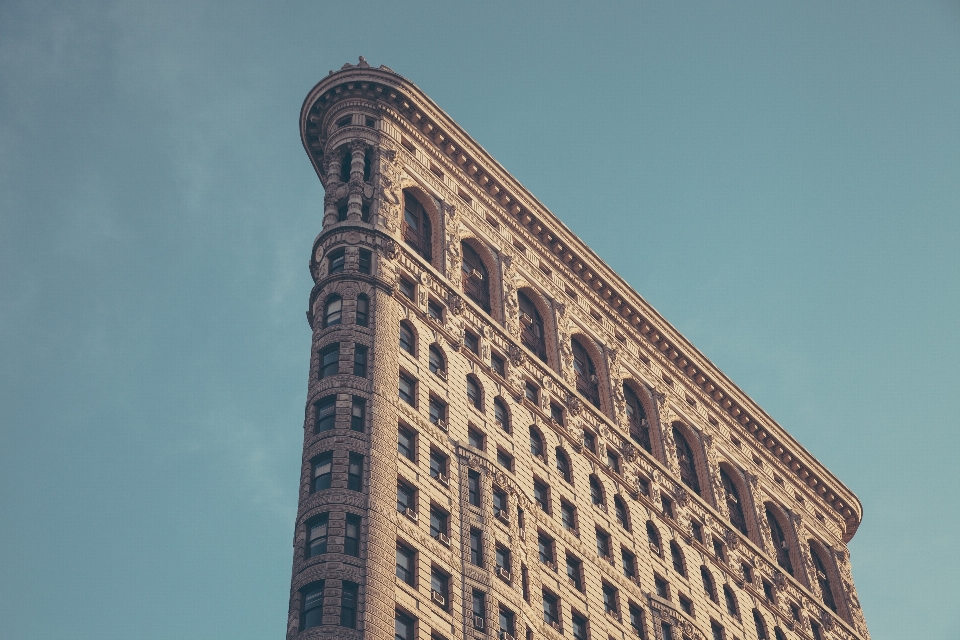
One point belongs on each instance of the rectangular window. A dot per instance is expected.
(323, 471)
(524, 582)
(666, 631)
(503, 558)
(697, 530)
(473, 487)
(476, 439)
(507, 621)
(479, 608)
(325, 414)
(312, 606)
(556, 413)
(590, 441)
(718, 549)
(438, 413)
(317, 531)
(355, 472)
(685, 604)
(644, 485)
(551, 609)
(717, 630)
(505, 460)
(545, 548)
(358, 414)
(406, 498)
(603, 543)
(578, 625)
(613, 461)
(404, 627)
(438, 464)
(407, 443)
(362, 310)
(667, 505)
(610, 595)
(575, 572)
(532, 393)
(440, 587)
(471, 341)
(360, 360)
(476, 547)
(500, 504)
(498, 364)
(662, 587)
(568, 516)
(406, 563)
(351, 538)
(408, 389)
(348, 604)
(629, 563)
(336, 261)
(636, 621)
(407, 288)
(364, 261)
(329, 361)
(438, 522)
(435, 310)
(541, 495)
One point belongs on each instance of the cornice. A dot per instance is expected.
(558, 244)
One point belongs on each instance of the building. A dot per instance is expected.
(502, 439)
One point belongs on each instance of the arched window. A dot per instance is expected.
(653, 538)
(622, 513)
(676, 556)
(778, 634)
(342, 209)
(563, 465)
(734, 504)
(688, 467)
(476, 280)
(438, 364)
(823, 580)
(731, 599)
(416, 227)
(596, 491)
(637, 418)
(588, 384)
(779, 542)
(708, 585)
(531, 334)
(333, 311)
(474, 393)
(761, 626)
(536, 443)
(363, 310)
(408, 340)
(500, 414)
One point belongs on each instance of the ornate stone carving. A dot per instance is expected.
(574, 406)
(456, 304)
(390, 250)
(516, 355)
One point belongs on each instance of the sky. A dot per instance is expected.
(781, 181)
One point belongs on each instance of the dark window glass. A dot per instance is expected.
(476, 547)
(355, 472)
(779, 542)
(406, 563)
(325, 414)
(545, 548)
(556, 413)
(406, 498)
(471, 341)
(563, 465)
(666, 631)
(697, 529)
(609, 598)
(686, 605)
(708, 585)
(438, 412)
(588, 385)
(407, 443)
(329, 361)
(440, 584)
(336, 261)
(317, 531)
(312, 606)
(505, 460)
(322, 471)
(358, 414)
(342, 210)
(536, 443)
(590, 442)
(653, 538)
(629, 563)
(643, 485)
(437, 363)
(718, 549)
(823, 579)
(532, 393)
(367, 162)
(620, 509)
(731, 601)
(348, 604)
(760, 625)
(603, 543)
(500, 503)
(473, 488)
(364, 262)
(500, 415)
(438, 464)
(596, 491)
(578, 625)
(476, 281)
(667, 505)
(613, 461)
(438, 522)
(479, 606)
(498, 364)
(351, 538)
(568, 516)
(476, 439)
(346, 162)
(363, 310)
(407, 340)
(551, 613)
(404, 627)
(408, 389)
(360, 361)
(637, 419)
(636, 621)
(531, 333)
(474, 394)
(662, 587)
(524, 582)
(676, 556)
(768, 591)
(747, 572)
(435, 310)
(541, 495)
(333, 311)
(407, 288)
(814, 630)
(777, 633)
(718, 634)
(503, 558)
(416, 227)
(575, 572)
(507, 621)
(734, 505)
(688, 467)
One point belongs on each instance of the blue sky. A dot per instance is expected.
(780, 180)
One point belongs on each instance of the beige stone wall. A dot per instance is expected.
(361, 112)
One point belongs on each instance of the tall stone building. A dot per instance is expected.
(503, 439)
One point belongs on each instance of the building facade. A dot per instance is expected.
(503, 439)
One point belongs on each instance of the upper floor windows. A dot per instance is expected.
(363, 310)
(823, 580)
(476, 280)
(329, 364)
(622, 513)
(637, 419)
(563, 465)
(588, 385)
(322, 471)
(734, 504)
(688, 466)
(780, 545)
(500, 415)
(532, 334)
(325, 414)
(438, 364)
(312, 615)
(474, 392)
(417, 230)
(596, 491)
(336, 261)
(536, 444)
(317, 535)
(333, 311)
(408, 340)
